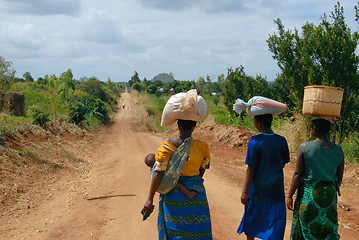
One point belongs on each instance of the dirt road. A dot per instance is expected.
(106, 202)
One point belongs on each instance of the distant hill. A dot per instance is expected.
(163, 77)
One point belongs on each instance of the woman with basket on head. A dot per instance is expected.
(181, 159)
(319, 171)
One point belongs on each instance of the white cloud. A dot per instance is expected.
(42, 7)
(98, 26)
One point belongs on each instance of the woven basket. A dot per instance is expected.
(322, 100)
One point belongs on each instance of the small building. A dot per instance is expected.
(12, 103)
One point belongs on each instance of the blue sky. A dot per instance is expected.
(114, 38)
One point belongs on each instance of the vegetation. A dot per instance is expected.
(86, 103)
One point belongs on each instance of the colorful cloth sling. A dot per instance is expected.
(175, 166)
(180, 217)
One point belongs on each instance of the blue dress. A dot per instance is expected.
(265, 216)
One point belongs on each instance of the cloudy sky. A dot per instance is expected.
(114, 38)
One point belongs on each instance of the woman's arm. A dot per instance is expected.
(247, 183)
(340, 172)
(297, 176)
(155, 182)
(201, 171)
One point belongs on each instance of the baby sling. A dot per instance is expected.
(175, 166)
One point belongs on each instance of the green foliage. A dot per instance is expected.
(137, 86)
(86, 108)
(238, 84)
(151, 89)
(7, 74)
(153, 106)
(24, 152)
(321, 55)
(134, 79)
(43, 95)
(351, 148)
(10, 126)
(78, 112)
(150, 111)
(38, 116)
(95, 88)
(27, 77)
(216, 101)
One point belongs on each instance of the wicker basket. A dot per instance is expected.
(322, 100)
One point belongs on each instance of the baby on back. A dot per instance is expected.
(151, 161)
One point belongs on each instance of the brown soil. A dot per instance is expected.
(81, 185)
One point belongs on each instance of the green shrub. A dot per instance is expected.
(86, 107)
(351, 148)
(38, 116)
(150, 111)
(77, 113)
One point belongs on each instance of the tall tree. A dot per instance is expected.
(27, 76)
(7, 74)
(201, 85)
(134, 79)
(321, 55)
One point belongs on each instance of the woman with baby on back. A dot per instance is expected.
(181, 216)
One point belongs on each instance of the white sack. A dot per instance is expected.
(259, 105)
(185, 106)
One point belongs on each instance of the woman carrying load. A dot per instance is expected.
(263, 191)
(317, 177)
(180, 217)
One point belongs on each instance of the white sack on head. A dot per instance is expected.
(185, 106)
(259, 105)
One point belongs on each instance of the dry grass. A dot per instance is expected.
(295, 130)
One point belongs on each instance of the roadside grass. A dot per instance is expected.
(351, 148)
(11, 126)
(154, 106)
(43, 97)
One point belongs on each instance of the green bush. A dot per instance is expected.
(351, 148)
(150, 111)
(77, 113)
(87, 107)
(38, 116)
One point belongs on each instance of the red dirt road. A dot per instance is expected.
(106, 202)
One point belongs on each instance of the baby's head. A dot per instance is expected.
(150, 160)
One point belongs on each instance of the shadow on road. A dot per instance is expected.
(111, 196)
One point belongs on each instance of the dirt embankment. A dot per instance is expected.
(79, 185)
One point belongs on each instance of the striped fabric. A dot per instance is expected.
(180, 217)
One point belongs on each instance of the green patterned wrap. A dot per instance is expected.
(315, 211)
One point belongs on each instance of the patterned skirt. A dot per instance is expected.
(180, 217)
(315, 211)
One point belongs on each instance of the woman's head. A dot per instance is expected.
(264, 120)
(186, 125)
(321, 127)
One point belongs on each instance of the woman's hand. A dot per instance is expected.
(290, 203)
(148, 206)
(244, 198)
